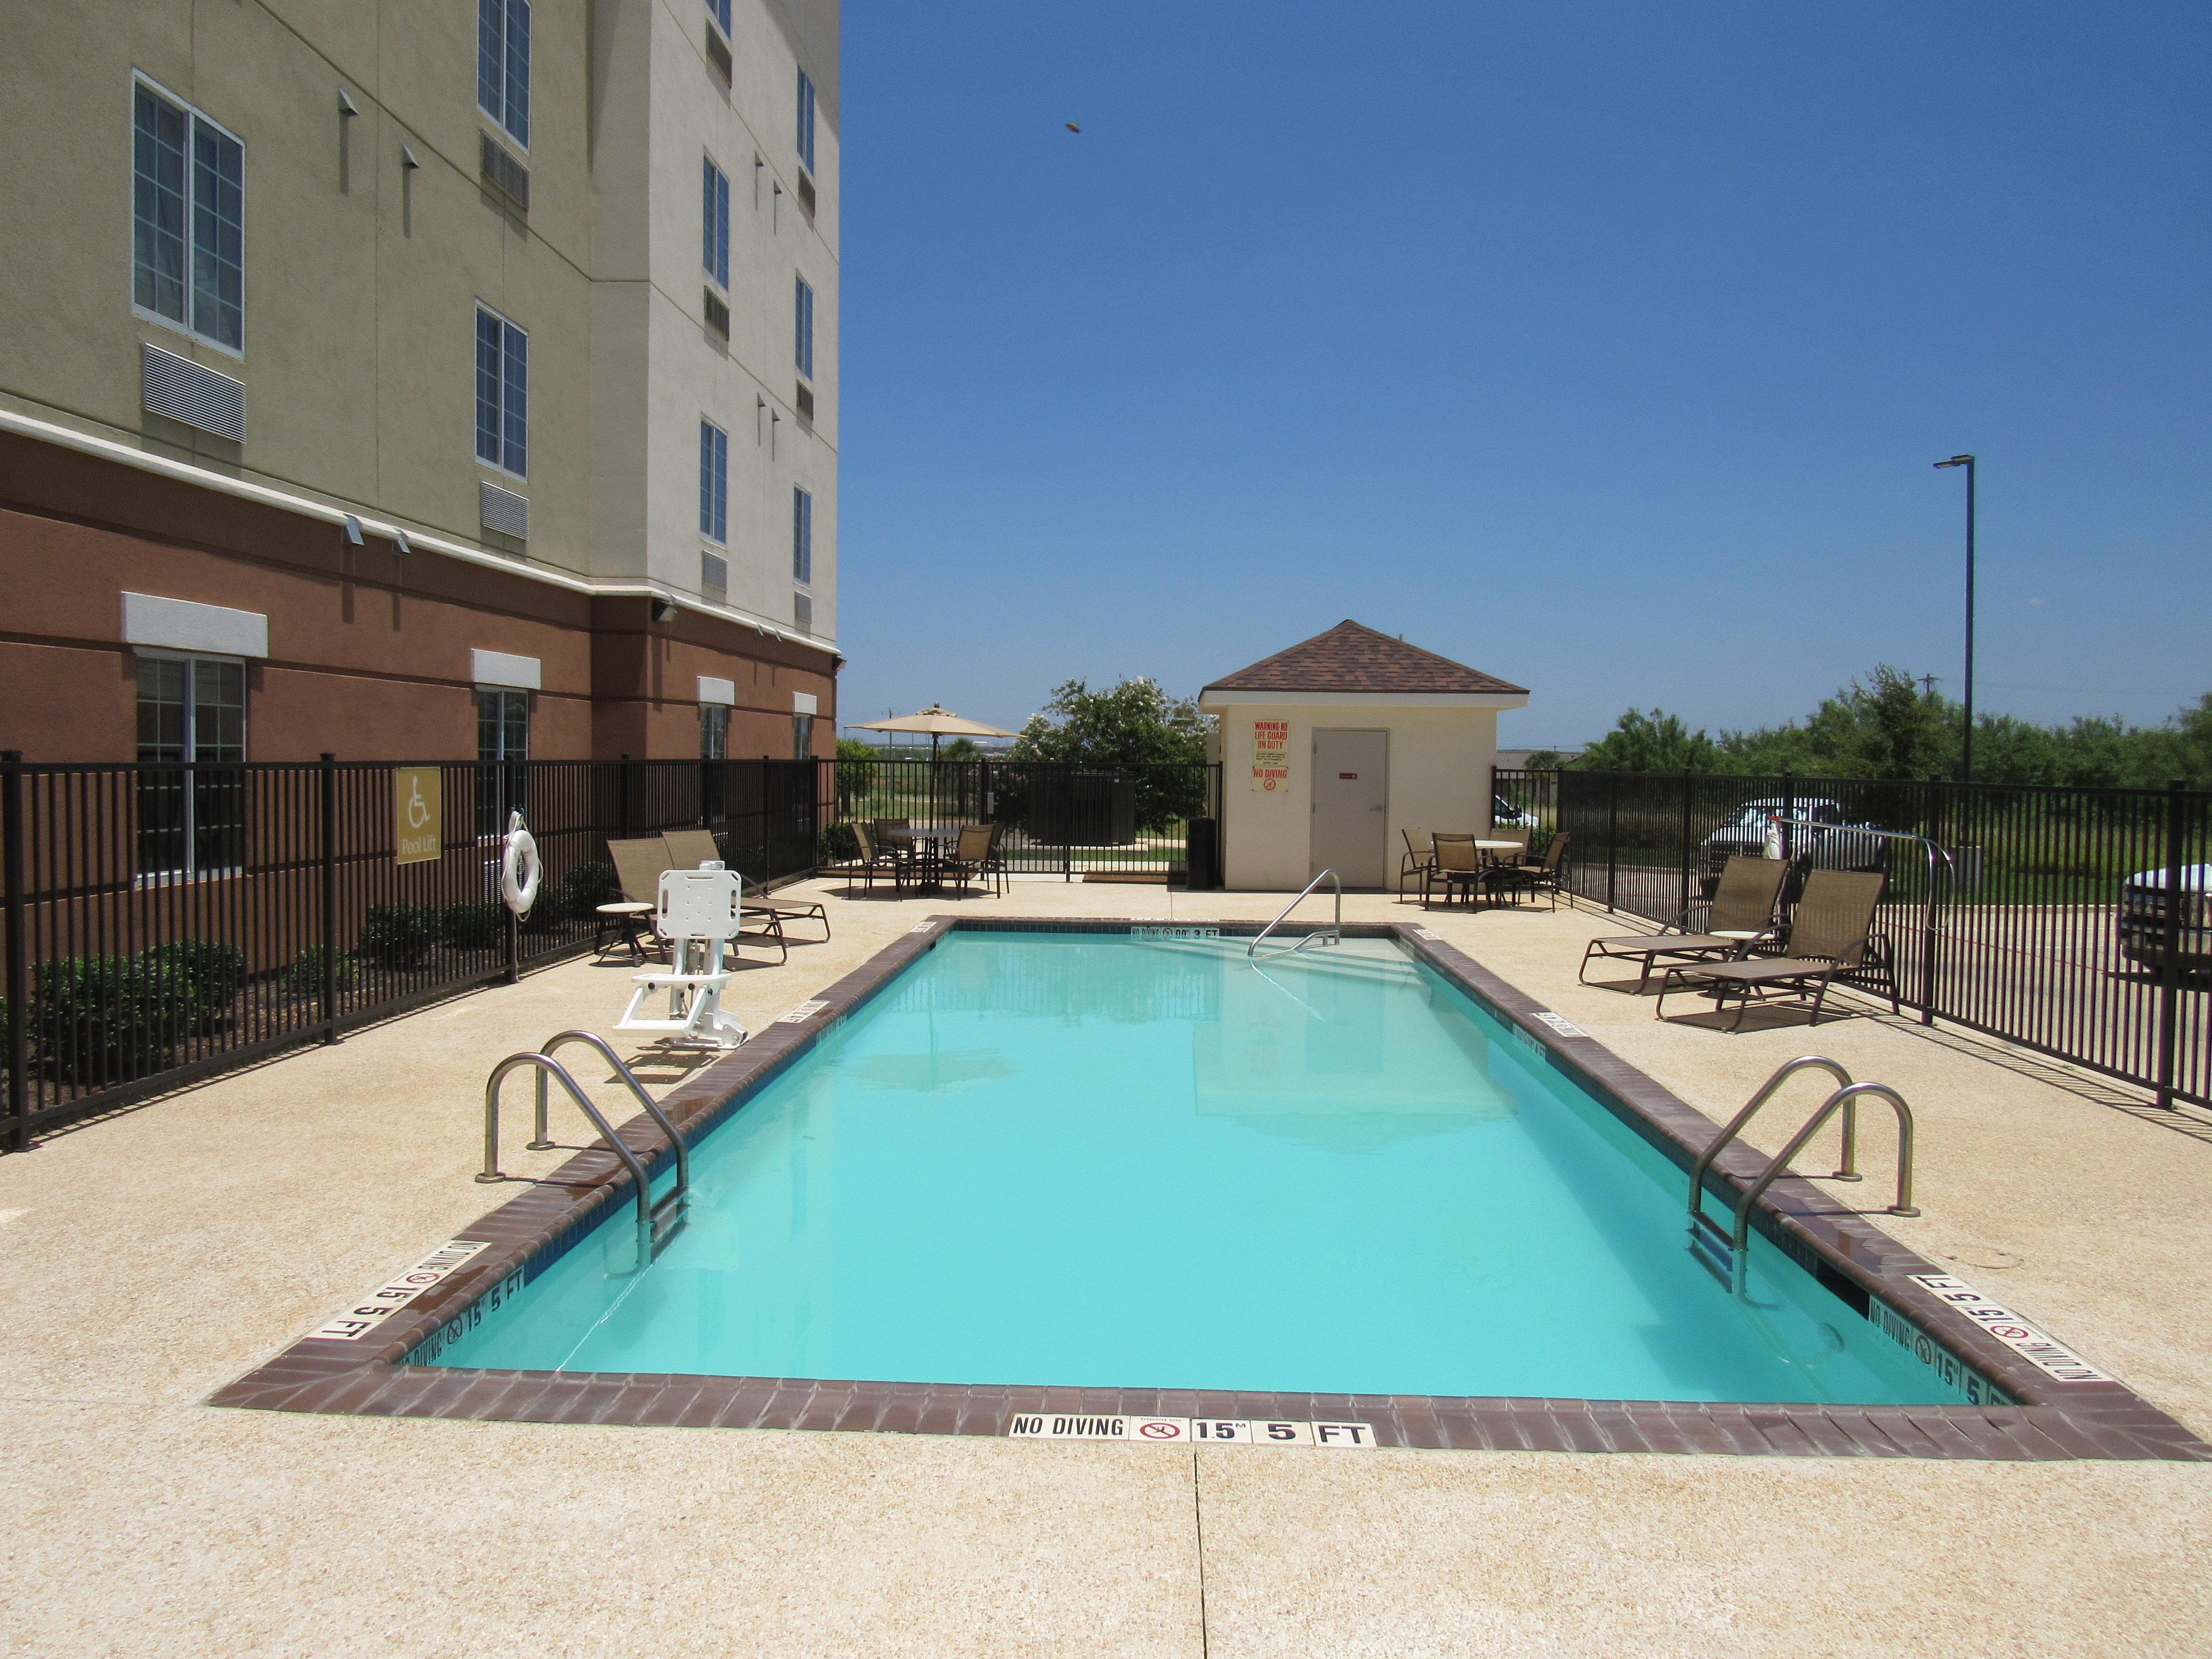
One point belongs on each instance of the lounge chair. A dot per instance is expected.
(638, 863)
(1533, 876)
(1830, 934)
(1419, 859)
(690, 848)
(1743, 915)
(976, 855)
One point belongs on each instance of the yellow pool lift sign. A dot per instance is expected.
(419, 822)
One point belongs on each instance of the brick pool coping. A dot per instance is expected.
(372, 1376)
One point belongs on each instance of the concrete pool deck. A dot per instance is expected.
(137, 1519)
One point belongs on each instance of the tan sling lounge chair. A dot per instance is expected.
(1743, 915)
(690, 848)
(638, 863)
(1829, 935)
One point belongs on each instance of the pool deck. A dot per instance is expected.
(157, 1255)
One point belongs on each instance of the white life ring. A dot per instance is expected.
(519, 868)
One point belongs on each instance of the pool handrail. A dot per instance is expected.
(1333, 932)
(649, 1214)
(629, 1081)
(1842, 1100)
(1734, 1128)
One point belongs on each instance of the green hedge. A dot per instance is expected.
(398, 936)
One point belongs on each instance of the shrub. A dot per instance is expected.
(468, 926)
(305, 975)
(108, 1020)
(838, 843)
(587, 886)
(398, 935)
(204, 977)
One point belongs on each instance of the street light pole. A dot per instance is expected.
(1967, 755)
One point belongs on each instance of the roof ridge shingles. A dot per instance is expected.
(1352, 657)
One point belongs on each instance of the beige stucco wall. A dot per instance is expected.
(1441, 753)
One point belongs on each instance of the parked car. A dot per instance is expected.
(1830, 842)
(2142, 918)
(1504, 815)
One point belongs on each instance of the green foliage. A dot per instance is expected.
(305, 976)
(588, 886)
(854, 762)
(398, 936)
(1657, 742)
(108, 1020)
(204, 977)
(1136, 725)
(837, 844)
(473, 927)
(1886, 727)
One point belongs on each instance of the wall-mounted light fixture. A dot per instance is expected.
(663, 608)
(407, 159)
(346, 105)
(400, 544)
(353, 531)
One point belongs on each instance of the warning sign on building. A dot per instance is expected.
(1270, 755)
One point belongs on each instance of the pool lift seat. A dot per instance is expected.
(699, 912)
(1723, 1251)
(658, 1220)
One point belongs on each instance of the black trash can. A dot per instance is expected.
(1202, 854)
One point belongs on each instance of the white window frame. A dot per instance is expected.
(719, 275)
(718, 13)
(805, 125)
(802, 536)
(499, 465)
(498, 117)
(192, 113)
(802, 320)
(191, 870)
(721, 485)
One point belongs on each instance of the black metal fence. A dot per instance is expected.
(2072, 921)
(164, 921)
(1060, 820)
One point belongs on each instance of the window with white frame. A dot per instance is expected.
(713, 750)
(714, 482)
(720, 11)
(802, 331)
(802, 536)
(503, 65)
(191, 735)
(502, 393)
(805, 121)
(502, 756)
(714, 222)
(188, 219)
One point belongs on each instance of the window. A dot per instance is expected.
(191, 712)
(188, 220)
(720, 11)
(803, 334)
(713, 748)
(502, 394)
(802, 737)
(503, 65)
(802, 536)
(503, 757)
(715, 222)
(805, 121)
(714, 482)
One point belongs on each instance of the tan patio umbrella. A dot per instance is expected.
(938, 723)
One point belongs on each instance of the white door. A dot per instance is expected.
(1352, 807)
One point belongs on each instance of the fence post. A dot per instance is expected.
(2169, 990)
(1789, 811)
(330, 993)
(621, 778)
(1612, 833)
(1685, 849)
(19, 972)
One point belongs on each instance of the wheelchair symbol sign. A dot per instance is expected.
(419, 830)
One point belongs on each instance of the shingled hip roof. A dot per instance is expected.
(1353, 658)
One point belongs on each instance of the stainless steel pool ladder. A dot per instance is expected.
(1723, 1249)
(656, 1222)
(1332, 934)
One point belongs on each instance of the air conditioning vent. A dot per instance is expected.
(180, 389)
(504, 511)
(807, 193)
(802, 612)
(505, 173)
(806, 401)
(718, 54)
(718, 314)
(714, 574)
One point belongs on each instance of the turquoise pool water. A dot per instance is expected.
(1084, 1158)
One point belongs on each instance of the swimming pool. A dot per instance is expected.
(1110, 1160)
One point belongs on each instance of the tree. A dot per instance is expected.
(1657, 742)
(1134, 728)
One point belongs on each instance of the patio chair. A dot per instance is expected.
(1532, 877)
(874, 860)
(1457, 863)
(976, 855)
(638, 863)
(1830, 934)
(1418, 861)
(1742, 914)
(690, 848)
(698, 912)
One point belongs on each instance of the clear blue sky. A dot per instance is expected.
(1603, 347)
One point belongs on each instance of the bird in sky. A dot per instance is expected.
(1070, 126)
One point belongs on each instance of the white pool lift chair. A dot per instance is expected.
(699, 914)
